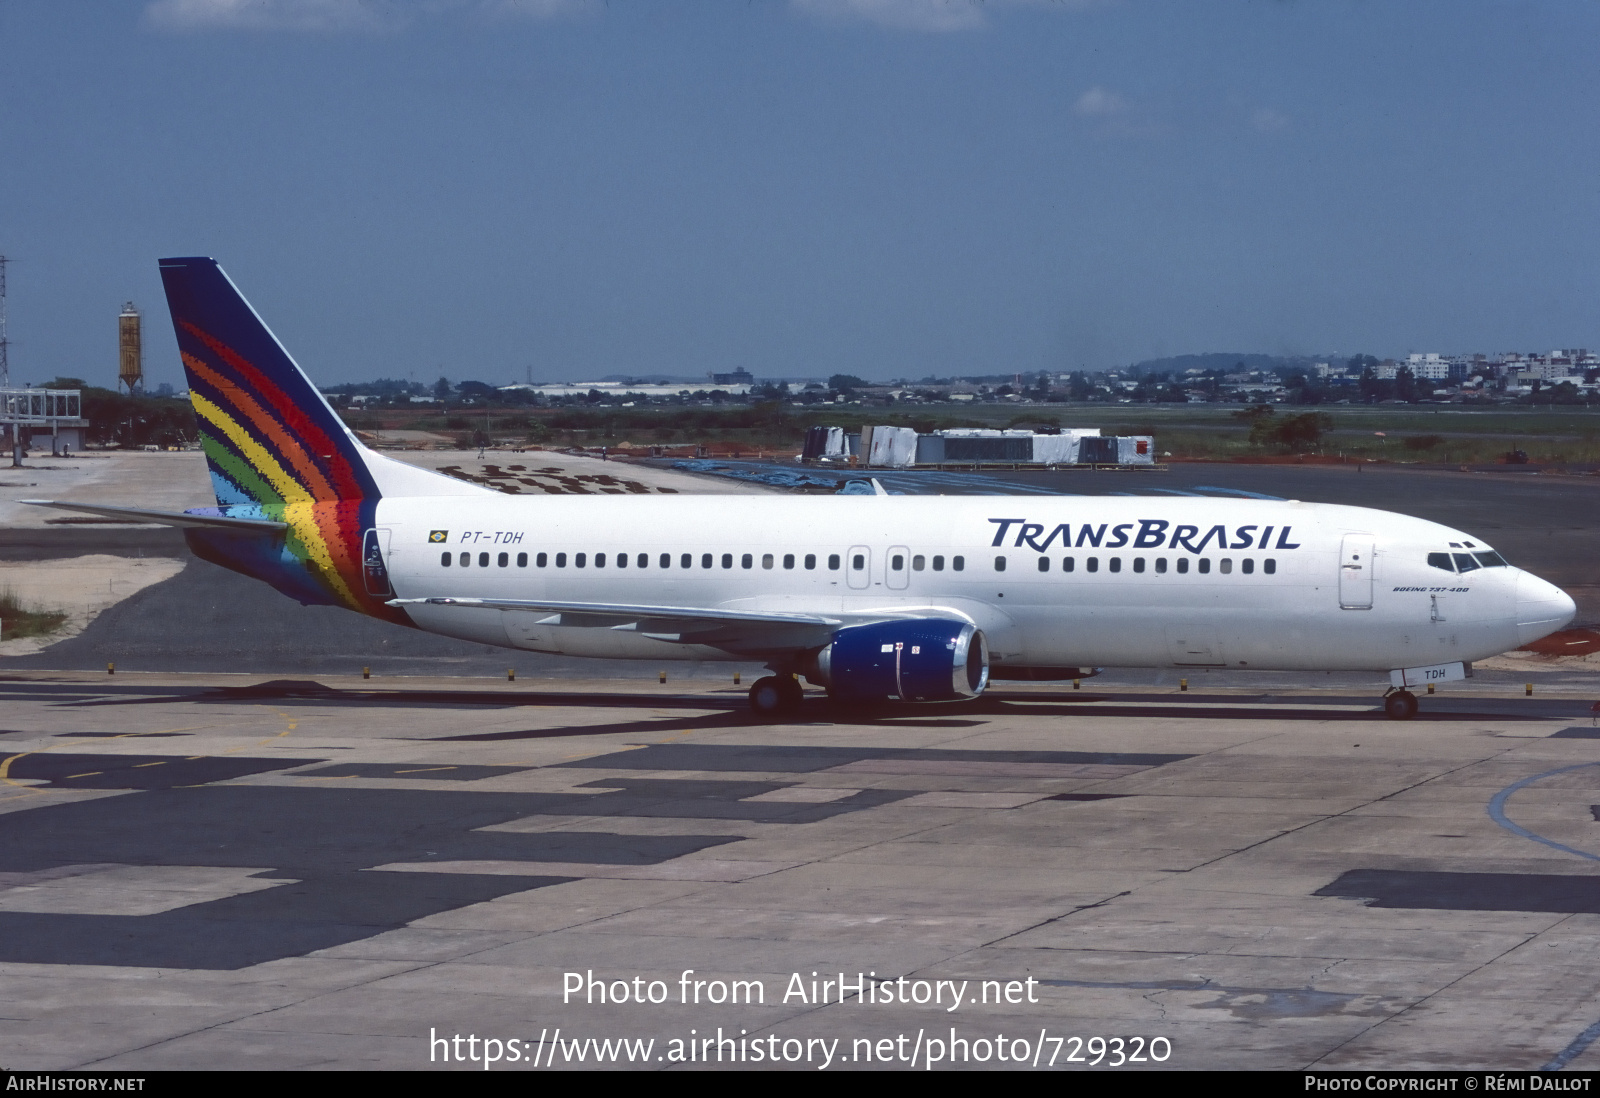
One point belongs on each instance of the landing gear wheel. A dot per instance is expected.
(1401, 705)
(792, 692)
(775, 694)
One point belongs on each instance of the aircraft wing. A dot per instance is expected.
(613, 614)
(166, 518)
(741, 630)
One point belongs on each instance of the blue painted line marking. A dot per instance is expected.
(1572, 1051)
(1178, 492)
(1497, 811)
(1238, 492)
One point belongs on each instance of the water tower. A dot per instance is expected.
(130, 361)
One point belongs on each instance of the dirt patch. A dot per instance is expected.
(1568, 642)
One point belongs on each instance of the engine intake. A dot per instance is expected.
(930, 659)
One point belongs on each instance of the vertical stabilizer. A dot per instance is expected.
(270, 437)
(275, 448)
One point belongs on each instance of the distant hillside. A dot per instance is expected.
(1228, 363)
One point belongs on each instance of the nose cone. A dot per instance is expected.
(1542, 608)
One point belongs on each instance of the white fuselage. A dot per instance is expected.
(1261, 585)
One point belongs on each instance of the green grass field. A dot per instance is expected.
(16, 622)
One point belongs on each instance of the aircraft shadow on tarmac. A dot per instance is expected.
(728, 711)
(324, 842)
(1446, 891)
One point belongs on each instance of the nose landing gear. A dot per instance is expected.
(1400, 705)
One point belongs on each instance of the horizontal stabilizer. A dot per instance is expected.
(167, 518)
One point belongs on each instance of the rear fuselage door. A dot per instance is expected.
(374, 566)
(1355, 572)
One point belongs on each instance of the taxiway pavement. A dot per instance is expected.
(221, 872)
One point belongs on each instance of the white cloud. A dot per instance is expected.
(531, 9)
(1267, 120)
(1098, 102)
(297, 15)
(334, 15)
(919, 15)
(922, 15)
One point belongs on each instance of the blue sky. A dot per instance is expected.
(890, 188)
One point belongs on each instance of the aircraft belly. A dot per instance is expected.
(523, 631)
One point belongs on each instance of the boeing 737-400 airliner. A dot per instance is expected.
(874, 598)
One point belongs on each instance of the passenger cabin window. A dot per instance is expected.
(666, 560)
(811, 560)
(858, 562)
(622, 560)
(897, 563)
(1138, 564)
(1044, 564)
(833, 562)
(522, 560)
(1269, 566)
(938, 564)
(541, 560)
(918, 563)
(1115, 564)
(1225, 565)
(483, 560)
(1204, 565)
(1247, 566)
(1161, 564)
(727, 560)
(599, 560)
(957, 564)
(999, 564)
(561, 560)
(505, 559)
(747, 561)
(444, 559)
(466, 559)
(1092, 564)
(1066, 564)
(579, 559)
(767, 560)
(705, 560)
(1183, 565)
(644, 560)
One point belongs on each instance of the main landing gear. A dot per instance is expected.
(775, 694)
(1400, 705)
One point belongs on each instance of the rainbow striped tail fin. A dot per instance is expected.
(270, 438)
(278, 451)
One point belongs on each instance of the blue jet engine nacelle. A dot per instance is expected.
(928, 659)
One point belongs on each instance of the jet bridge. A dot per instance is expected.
(56, 412)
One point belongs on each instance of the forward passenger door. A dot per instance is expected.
(1355, 572)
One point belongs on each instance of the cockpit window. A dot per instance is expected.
(1464, 562)
(1441, 560)
(1492, 560)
